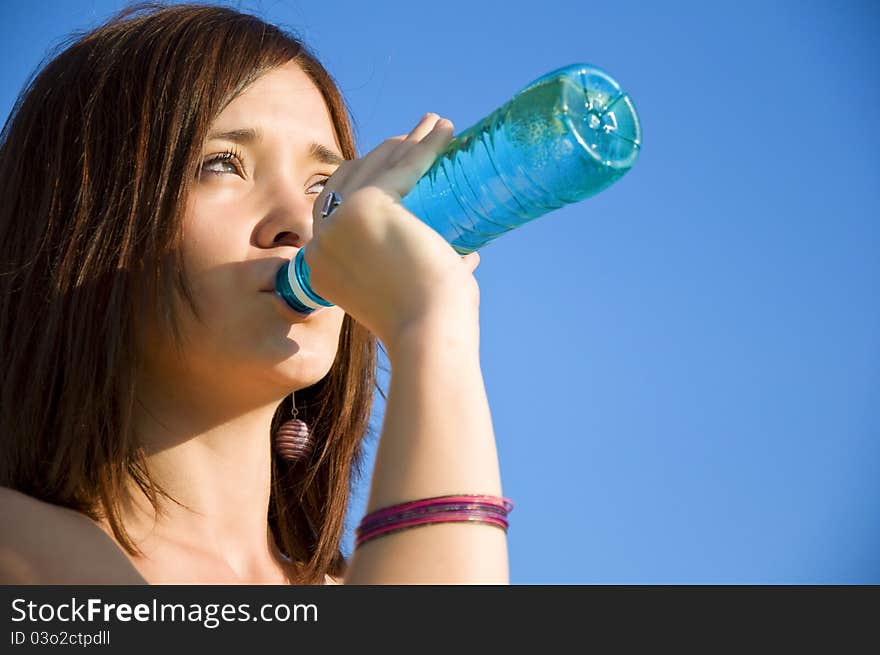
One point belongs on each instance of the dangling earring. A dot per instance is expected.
(293, 441)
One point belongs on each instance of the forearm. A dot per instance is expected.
(437, 439)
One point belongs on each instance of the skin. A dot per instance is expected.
(204, 414)
(206, 437)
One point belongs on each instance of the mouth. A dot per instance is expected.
(287, 311)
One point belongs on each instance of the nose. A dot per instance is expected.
(289, 219)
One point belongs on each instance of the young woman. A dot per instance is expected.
(154, 177)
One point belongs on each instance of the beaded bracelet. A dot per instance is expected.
(479, 508)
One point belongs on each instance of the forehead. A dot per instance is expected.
(283, 102)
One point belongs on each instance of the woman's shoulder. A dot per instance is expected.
(42, 543)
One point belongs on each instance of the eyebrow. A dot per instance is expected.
(248, 135)
(324, 154)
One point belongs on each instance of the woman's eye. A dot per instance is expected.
(219, 162)
(321, 183)
(225, 163)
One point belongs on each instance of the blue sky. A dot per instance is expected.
(694, 394)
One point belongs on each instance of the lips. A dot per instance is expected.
(287, 310)
(269, 286)
(270, 273)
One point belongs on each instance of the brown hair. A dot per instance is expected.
(96, 163)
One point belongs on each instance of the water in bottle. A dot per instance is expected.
(565, 137)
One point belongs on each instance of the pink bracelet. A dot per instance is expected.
(372, 522)
(444, 518)
(507, 504)
(479, 508)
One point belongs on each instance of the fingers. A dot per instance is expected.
(424, 138)
(424, 128)
(471, 260)
(412, 159)
(437, 137)
(377, 159)
(398, 162)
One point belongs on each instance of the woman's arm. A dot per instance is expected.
(405, 283)
(437, 439)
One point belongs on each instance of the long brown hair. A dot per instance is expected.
(96, 163)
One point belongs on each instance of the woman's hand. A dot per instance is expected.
(382, 265)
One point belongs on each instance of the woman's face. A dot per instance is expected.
(249, 213)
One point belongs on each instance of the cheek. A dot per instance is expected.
(206, 250)
(214, 257)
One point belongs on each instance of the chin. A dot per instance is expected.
(306, 367)
(308, 353)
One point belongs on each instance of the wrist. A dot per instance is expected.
(458, 336)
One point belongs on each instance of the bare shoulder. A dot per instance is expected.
(42, 543)
(329, 579)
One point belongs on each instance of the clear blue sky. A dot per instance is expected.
(695, 397)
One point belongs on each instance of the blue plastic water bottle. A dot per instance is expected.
(565, 137)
